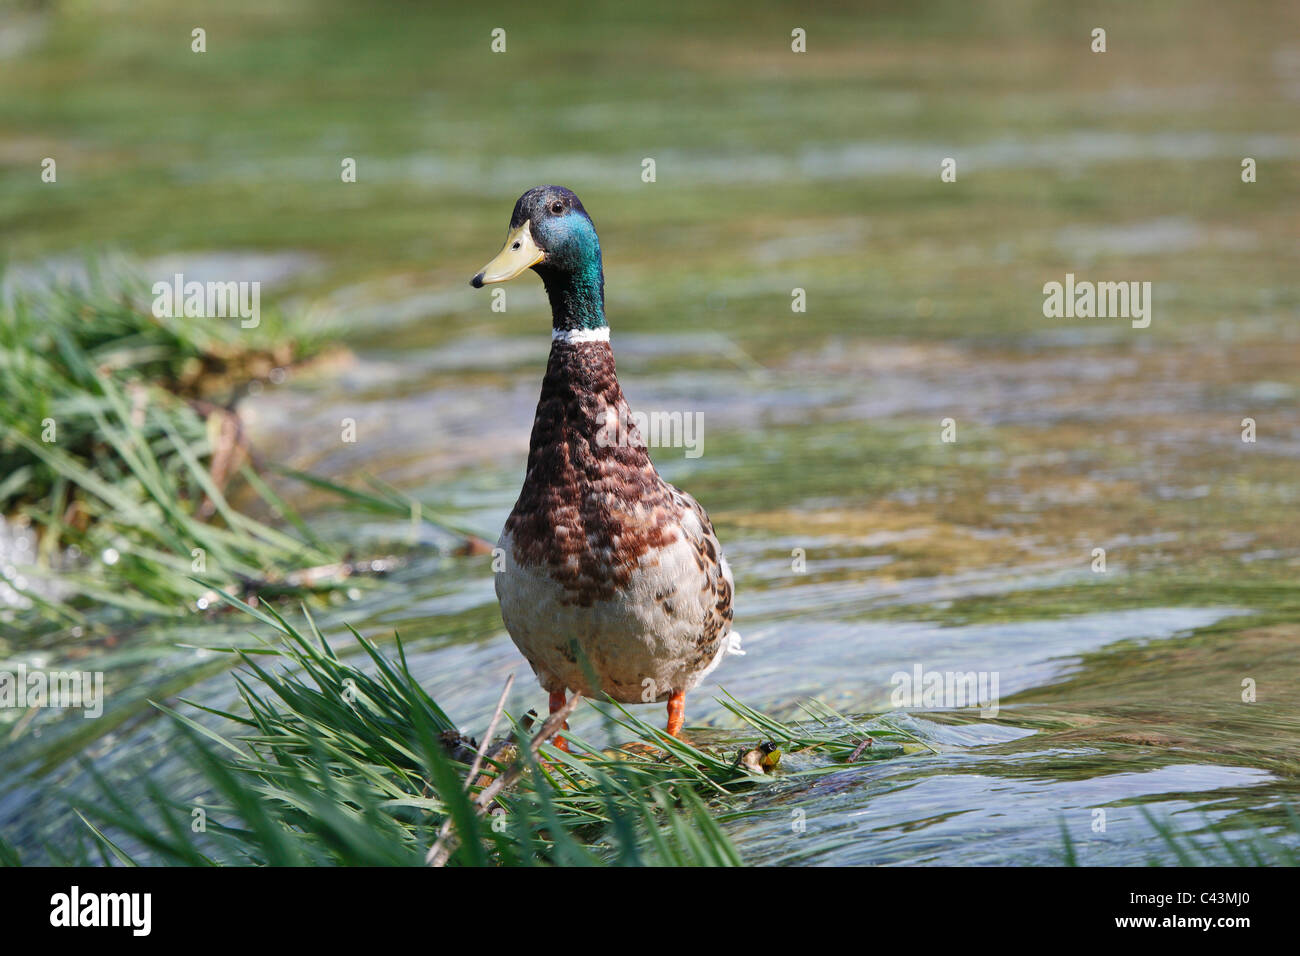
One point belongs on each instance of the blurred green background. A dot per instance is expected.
(161, 149)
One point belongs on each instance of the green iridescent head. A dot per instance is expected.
(551, 233)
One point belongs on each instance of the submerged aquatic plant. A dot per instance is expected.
(1214, 843)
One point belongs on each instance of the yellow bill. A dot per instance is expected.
(519, 253)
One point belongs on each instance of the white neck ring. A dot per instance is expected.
(578, 336)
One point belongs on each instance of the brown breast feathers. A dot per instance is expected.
(592, 503)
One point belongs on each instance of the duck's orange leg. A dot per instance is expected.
(557, 703)
(676, 713)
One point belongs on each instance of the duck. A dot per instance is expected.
(612, 582)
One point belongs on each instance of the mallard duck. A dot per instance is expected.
(613, 581)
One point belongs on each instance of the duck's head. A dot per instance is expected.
(552, 234)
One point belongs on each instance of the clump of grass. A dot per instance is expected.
(118, 441)
(58, 341)
(340, 764)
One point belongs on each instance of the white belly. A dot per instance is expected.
(641, 645)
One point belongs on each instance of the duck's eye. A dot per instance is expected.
(557, 207)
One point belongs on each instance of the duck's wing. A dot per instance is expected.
(719, 586)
